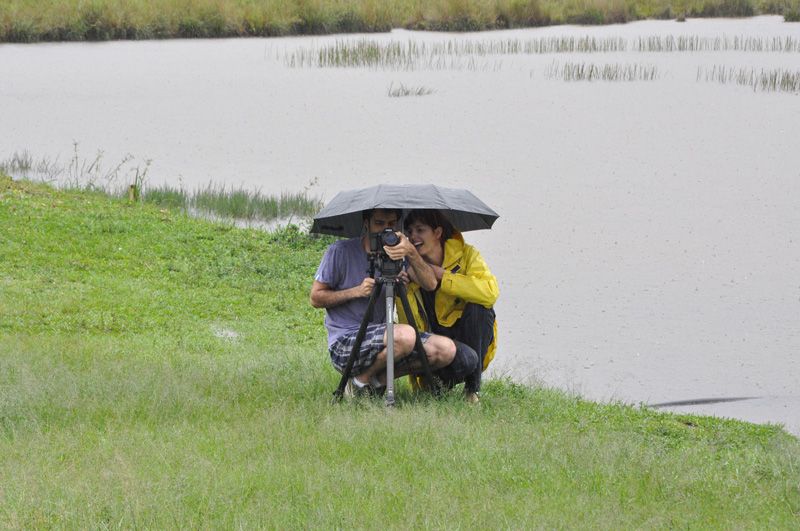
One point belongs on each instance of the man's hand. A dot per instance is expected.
(365, 288)
(404, 278)
(323, 296)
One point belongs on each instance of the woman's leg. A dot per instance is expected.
(475, 328)
(459, 370)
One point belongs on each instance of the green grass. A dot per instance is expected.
(402, 90)
(92, 174)
(58, 20)
(459, 54)
(570, 71)
(253, 204)
(451, 55)
(725, 43)
(774, 80)
(160, 371)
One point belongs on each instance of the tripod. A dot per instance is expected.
(391, 283)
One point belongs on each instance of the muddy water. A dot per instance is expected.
(649, 244)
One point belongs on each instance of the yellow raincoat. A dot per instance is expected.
(466, 279)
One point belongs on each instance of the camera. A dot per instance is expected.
(378, 258)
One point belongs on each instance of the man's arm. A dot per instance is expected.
(323, 296)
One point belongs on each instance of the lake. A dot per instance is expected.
(648, 249)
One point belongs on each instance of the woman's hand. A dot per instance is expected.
(402, 249)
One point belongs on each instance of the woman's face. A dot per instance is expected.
(424, 237)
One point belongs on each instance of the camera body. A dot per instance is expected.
(379, 260)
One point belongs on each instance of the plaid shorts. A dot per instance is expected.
(370, 348)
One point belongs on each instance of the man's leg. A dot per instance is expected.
(439, 350)
(404, 339)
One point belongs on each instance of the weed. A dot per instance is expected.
(447, 55)
(402, 90)
(120, 179)
(606, 72)
(775, 80)
(724, 43)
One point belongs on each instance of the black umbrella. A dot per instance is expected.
(342, 216)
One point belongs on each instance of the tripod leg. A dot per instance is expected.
(418, 347)
(362, 330)
(390, 342)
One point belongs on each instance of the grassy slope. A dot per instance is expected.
(35, 20)
(120, 406)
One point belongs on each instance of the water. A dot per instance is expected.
(649, 244)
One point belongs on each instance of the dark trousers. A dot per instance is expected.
(475, 331)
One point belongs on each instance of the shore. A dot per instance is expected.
(163, 371)
(100, 20)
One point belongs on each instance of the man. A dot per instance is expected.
(342, 286)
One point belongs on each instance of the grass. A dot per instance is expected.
(449, 55)
(162, 371)
(459, 54)
(365, 53)
(80, 172)
(402, 90)
(774, 80)
(414, 54)
(570, 71)
(254, 205)
(79, 20)
(91, 174)
(724, 43)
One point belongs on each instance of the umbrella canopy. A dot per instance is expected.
(342, 216)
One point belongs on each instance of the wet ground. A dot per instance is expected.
(649, 244)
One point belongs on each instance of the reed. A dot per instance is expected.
(449, 55)
(724, 43)
(22, 163)
(603, 72)
(461, 54)
(774, 80)
(166, 196)
(93, 174)
(79, 172)
(253, 205)
(402, 90)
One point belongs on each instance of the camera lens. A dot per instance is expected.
(390, 238)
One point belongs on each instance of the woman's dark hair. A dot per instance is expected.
(432, 218)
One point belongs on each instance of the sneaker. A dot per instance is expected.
(353, 390)
(378, 389)
(472, 398)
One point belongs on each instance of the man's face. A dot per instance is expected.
(382, 219)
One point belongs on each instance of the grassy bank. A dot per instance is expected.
(160, 371)
(233, 203)
(79, 20)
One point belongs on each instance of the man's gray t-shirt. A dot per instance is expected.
(344, 266)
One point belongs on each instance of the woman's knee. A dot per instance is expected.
(440, 350)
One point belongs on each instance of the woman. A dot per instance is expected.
(461, 306)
